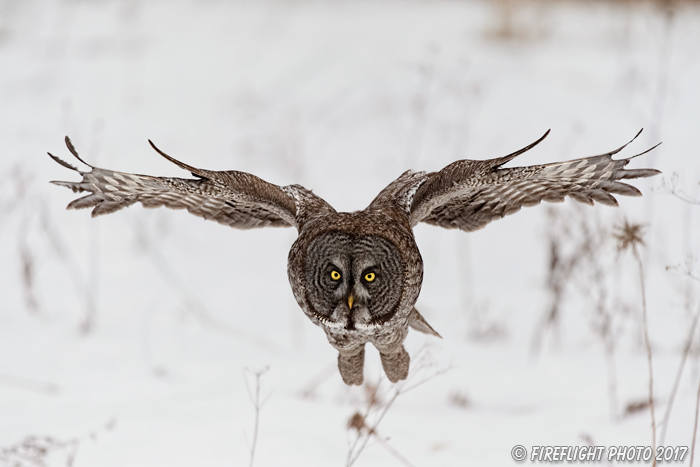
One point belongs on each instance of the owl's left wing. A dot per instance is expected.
(469, 194)
(237, 199)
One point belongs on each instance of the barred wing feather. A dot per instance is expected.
(468, 194)
(237, 199)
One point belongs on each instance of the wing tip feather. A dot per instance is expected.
(638, 173)
(193, 170)
(71, 148)
(74, 186)
(63, 163)
(644, 152)
(502, 160)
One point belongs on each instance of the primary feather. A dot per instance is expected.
(469, 194)
(236, 199)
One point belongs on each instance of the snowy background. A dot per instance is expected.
(134, 339)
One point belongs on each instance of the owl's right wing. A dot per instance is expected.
(237, 199)
(469, 194)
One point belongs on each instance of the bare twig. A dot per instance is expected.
(629, 236)
(670, 186)
(577, 255)
(683, 196)
(69, 262)
(92, 282)
(676, 383)
(560, 270)
(22, 197)
(381, 406)
(354, 452)
(695, 427)
(28, 275)
(257, 404)
(358, 422)
(647, 344)
(687, 269)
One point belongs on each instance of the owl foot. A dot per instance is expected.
(351, 366)
(396, 364)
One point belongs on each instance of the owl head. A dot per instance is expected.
(354, 281)
(358, 273)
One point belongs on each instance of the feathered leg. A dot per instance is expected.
(351, 365)
(395, 364)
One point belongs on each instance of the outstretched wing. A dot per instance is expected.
(468, 194)
(236, 199)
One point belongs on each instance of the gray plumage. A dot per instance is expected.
(358, 275)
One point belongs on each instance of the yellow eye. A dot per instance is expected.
(370, 276)
(335, 275)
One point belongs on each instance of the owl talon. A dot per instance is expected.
(351, 367)
(396, 364)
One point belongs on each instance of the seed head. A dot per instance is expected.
(629, 236)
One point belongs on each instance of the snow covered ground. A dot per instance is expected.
(134, 339)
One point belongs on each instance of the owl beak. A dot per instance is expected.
(351, 299)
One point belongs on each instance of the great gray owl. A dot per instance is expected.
(358, 274)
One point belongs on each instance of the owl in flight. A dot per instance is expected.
(358, 274)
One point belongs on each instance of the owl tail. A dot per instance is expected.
(417, 322)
